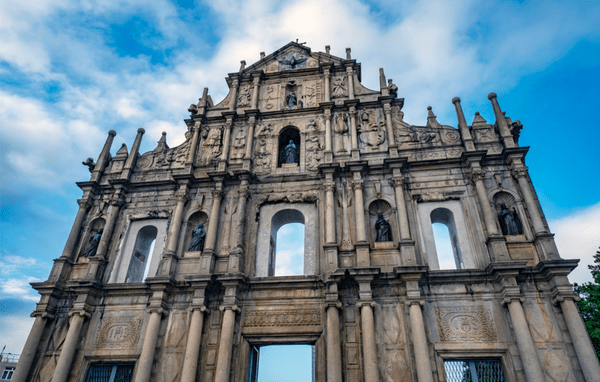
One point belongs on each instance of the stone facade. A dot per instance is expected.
(375, 310)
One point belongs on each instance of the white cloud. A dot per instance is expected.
(14, 330)
(18, 288)
(578, 237)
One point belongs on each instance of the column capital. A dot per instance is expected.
(357, 184)
(327, 113)
(333, 304)
(217, 194)
(508, 299)
(244, 191)
(160, 311)
(387, 108)
(199, 308)
(370, 303)
(182, 196)
(477, 175)
(520, 172)
(234, 83)
(47, 315)
(197, 126)
(415, 302)
(352, 111)
(85, 203)
(398, 181)
(81, 312)
(232, 307)
(329, 187)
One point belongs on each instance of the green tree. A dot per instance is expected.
(589, 306)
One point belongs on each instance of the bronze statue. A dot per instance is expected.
(198, 236)
(384, 231)
(291, 156)
(93, 244)
(509, 221)
(291, 99)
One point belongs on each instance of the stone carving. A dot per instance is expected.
(451, 136)
(163, 156)
(509, 221)
(515, 130)
(239, 143)
(482, 132)
(90, 164)
(198, 237)
(466, 324)
(384, 231)
(262, 151)
(296, 197)
(292, 61)
(119, 333)
(340, 127)
(272, 97)
(212, 144)
(291, 317)
(291, 153)
(392, 89)
(372, 130)
(404, 133)
(273, 67)
(314, 146)
(339, 88)
(312, 93)
(245, 96)
(92, 247)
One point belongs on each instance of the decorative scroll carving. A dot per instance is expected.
(466, 324)
(119, 333)
(291, 317)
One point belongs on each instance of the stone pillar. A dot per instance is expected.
(233, 91)
(176, 221)
(361, 233)
(250, 138)
(226, 344)
(527, 349)
(103, 158)
(488, 215)
(354, 134)
(84, 206)
(419, 340)
(63, 366)
(238, 228)
(345, 199)
(329, 214)
(256, 79)
(532, 208)
(505, 133)
(144, 364)
(206, 261)
(581, 342)
(334, 354)
(462, 126)
(28, 353)
(115, 206)
(328, 137)
(398, 183)
(194, 143)
(132, 158)
(226, 139)
(327, 85)
(387, 109)
(192, 348)
(369, 341)
(350, 73)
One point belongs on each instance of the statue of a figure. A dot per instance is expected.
(291, 99)
(384, 231)
(509, 221)
(198, 236)
(93, 244)
(291, 156)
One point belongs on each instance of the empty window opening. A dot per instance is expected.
(446, 239)
(110, 373)
(282, 363)
(140, 263)
(474, 371)
(289, 250)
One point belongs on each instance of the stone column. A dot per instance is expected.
(84, 206)
(505, 133)
(527, 349)
(350, 73)
(233, 100)
(256, 79)
(327, 85)
(176, 221)
(132, 158)
(354, 134)
(226, 139)
(329, 214)
(115, 206)
(532, 208)
(462, 126)
(419, 340)
(238, 228)
(328, 135)
(250, 139)
(103, 158)
(63, 366)
(226, 345)
(581, 342)
(488, 215)
(334, 354)
(206, 260)
(387, 109)
(144, 364)
(194, 144)
(361, 233)
(401, 204)
(369, 341)
(28, 353)
(192, 348)
(345, 199)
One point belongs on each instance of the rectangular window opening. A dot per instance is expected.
(106, 372)
(474, 370)
(282, 363)
(8, 373)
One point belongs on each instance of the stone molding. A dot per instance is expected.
(287, 317)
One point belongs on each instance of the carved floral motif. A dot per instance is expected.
(291, 317)
(466, 324)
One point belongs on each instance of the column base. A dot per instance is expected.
(167, 265)
(61, 268)
(393, 150)
(363, 258)
(331, 256)
(546, 246)
(222, 166)
(207, 262)
(407, 252)
(234, 260)
(497, 248)
(95, 269)
(328, 156)
(355, 153)
(247, 165)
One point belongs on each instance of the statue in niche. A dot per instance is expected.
(509, 221)
(384, 231)
(339, 87)
(291, 99)
(92, 247)
(291, 154)
(198, 236)
(340, 126)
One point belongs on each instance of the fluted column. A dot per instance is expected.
(256, 79)
(132, 158)
(192, 348)
(144, 364)
(233, 91)
(329, 214)
(527, 349)
(350, 73)
(30, 348)
(505, 133)
(327, 75)
(462, 126)
(103, 158)
(63, 366)
(532, 208)
(361, 234)
(581, 341)
(488, 215)
(419, 340)
(84, 206)
(369, 342)
(194, 143)
(353, 132)
(226, 344)
(334, 354)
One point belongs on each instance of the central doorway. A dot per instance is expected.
(282, 363)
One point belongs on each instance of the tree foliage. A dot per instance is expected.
(589, 306)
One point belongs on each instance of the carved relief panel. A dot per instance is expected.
(119, 333)
(466, 324)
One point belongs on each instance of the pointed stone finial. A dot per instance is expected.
(327, 49)
(478, 119)
(162, 143)
(382, 85)
(242, 65)
(122, 150)
(262, 55)
(348, 55)
(431, 118)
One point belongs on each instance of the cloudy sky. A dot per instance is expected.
(71, 70)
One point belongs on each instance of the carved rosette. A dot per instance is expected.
(119, 333)
(466, 324)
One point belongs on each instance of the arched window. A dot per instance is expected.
(143, 248)
(289, 133)
(445, 239)
(286, 250)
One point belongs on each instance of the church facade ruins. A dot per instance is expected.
(169, 272)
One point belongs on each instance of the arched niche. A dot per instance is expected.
(90, 229)
(140, 258)
(189, 225)
(381, 206)
(449, 213)
(273, 217)
(285, 135)
(515, 204)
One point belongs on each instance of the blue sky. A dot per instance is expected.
(72, 70)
